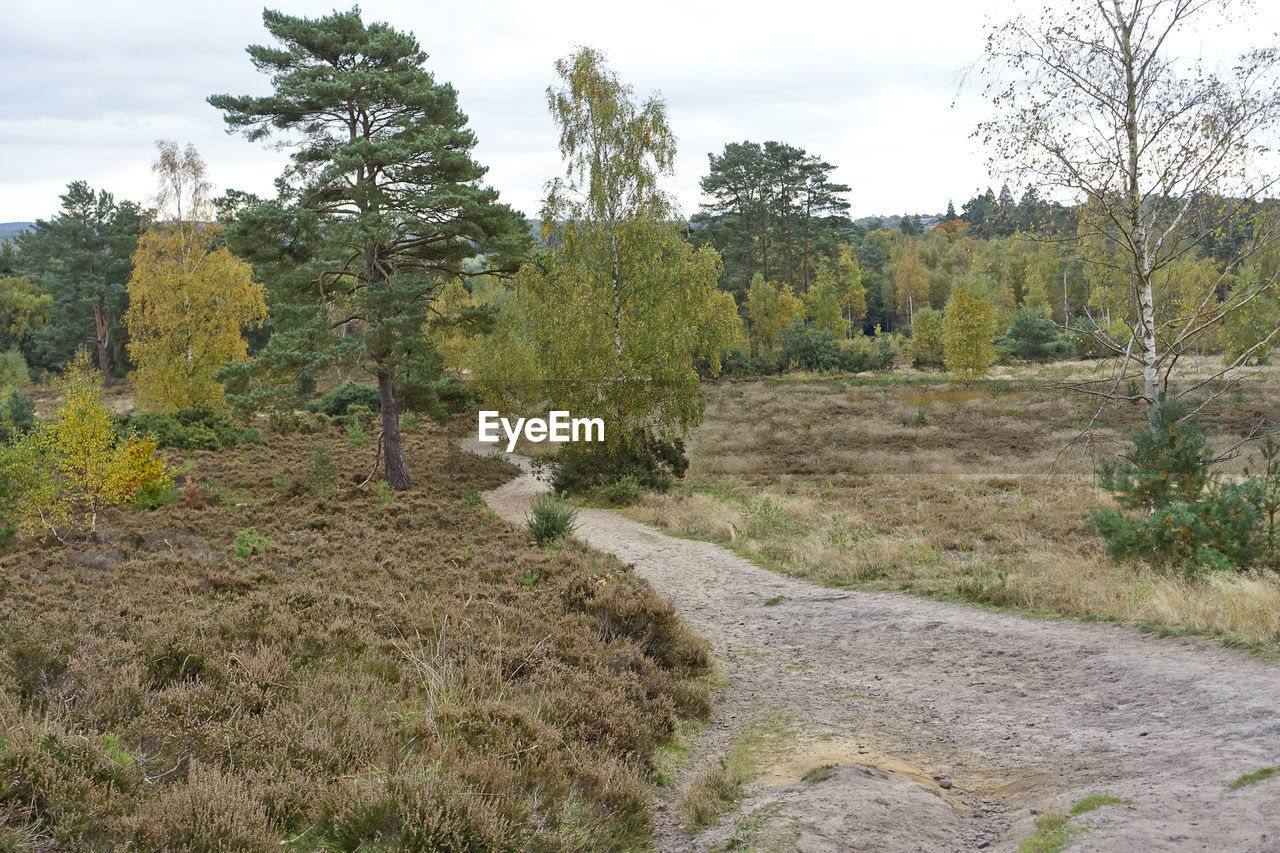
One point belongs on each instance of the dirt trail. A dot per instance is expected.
(905, 694)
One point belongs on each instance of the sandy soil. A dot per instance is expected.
(951, 727)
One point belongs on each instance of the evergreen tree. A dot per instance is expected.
(81, 258)
(774, 210)
(979, 212)
(382, 172)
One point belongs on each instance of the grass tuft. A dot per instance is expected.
(1255, 776)
(1054, 829)
(819, 773)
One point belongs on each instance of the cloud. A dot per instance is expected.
(89, 87)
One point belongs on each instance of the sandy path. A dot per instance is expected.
(1019, 715)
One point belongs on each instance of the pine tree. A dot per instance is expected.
(81, 259)
(383, 179)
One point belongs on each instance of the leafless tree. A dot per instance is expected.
(1162, 153)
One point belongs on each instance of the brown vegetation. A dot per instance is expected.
(257, 667)
(916, 485)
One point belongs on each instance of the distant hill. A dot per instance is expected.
(9, 230)
(890, 223)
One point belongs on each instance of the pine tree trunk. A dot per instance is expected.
(397, 469)
(102, 329)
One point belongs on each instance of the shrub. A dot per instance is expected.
(155, 495)
(738, 364)
(322, 476)
(356, 435)
(193, 496)
(17, 416)
(284, 422)
(360, 416)
(341, 399)
(766, 364)
(651, 462)
(809, 348)
(200, 429)
(409, 421)
(863, 353)
(1172, 512)
(250, 542)
(14, 372)
(550, 518)
(359, 421)
(926, 348)
(887, 348)
(1033, 337)
(623, 491)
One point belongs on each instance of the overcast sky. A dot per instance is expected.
(873, 88)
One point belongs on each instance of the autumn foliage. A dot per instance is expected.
(68, 469)
(969, 324)
(189, 302)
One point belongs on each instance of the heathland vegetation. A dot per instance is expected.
(1056, 399)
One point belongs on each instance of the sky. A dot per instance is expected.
(877, 89)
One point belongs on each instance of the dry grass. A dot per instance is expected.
(386, 672)
(977, 493)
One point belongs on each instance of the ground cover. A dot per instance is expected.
(979, 493)
(280, 659)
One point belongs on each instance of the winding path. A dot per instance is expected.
(949, 726)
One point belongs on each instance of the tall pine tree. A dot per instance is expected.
(81, 259)
(382, 170)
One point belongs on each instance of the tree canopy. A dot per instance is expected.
(80, 258)
(772, 209)
(189, 297)
(1163, 154)
(614, 314)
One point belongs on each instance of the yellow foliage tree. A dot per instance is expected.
(188, 305)
(71, 467)
(969, 325)
(189, 298)
(1188, 290)
(910, 279)
(853, 298)
(769, 310)
(456, 345)
(822, 305)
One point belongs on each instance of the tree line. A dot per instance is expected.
(384, 250)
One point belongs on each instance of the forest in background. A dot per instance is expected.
(385, 254)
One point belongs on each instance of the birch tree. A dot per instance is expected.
(621, 304)
(1162, 152)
